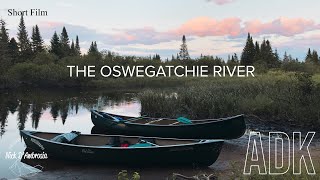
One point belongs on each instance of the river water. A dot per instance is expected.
(61, 111)
(51, 111)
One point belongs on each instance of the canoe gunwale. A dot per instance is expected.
(30, 134)
(207, 121)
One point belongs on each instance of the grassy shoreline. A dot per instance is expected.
(287, 98)
(292, 99)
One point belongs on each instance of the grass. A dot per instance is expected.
(283, 97)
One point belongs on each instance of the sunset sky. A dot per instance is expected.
(144, 27)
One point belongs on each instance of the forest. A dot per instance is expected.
(285, 89)
(29, 61)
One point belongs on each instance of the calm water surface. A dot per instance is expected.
(62, 111)
(52, 111)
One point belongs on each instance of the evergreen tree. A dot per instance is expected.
(184, 54)
(236, 59)
(267, 55)
(77, 47)
(256, 52)
(315, 57)
(4, 39)
(309, 56)
(276, 56)
(64, 41)
(232, 58)
(72, 49)
(156, 57)
(257, 48)
(14, 50)
(93, 48)
(173, 58)
(285, 57)
(5, 60)
(55, 45)
(24, 42)
(248, 53)
(37, 41)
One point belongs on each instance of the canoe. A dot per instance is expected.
(223, 128)
(127, 150)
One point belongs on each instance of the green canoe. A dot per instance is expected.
(224, 128)
(128, 150)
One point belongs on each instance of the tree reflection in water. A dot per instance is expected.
(60, 103)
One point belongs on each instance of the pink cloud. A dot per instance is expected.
(205, 26)
(222, 2)
(282, 26)
(50, 24)
(200, 26)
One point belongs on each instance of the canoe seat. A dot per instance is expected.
(175, 123)
(154, 121)
(66, 137)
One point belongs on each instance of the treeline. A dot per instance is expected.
(264, 57)
(27, 60)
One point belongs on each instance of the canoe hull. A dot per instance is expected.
(202, 154)
(229, 128)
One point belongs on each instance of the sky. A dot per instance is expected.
(146, 27)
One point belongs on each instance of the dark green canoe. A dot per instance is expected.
(224, 128)
(137, 150)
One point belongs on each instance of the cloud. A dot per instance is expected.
(282, 26)
(204, 35)
(231, 27)
(205, 26)
(197, 27)
(221, 2)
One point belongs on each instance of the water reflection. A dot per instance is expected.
(32, 104)
(52, 111)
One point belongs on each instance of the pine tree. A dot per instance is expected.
(173, 58)
(267, 55)
(276, 56)
(72, 49)
(156, 57)
(248, 53)
(77, 47)
(14, 50)
(309, 56)
(256, 52)
(184, 54)
(37, 41)
(24, 42)
(285, 57)
(64, 41)
(5, 60)
(236, 59)
(93, 48)
(55, 45)
(4, 39)
(315, 57)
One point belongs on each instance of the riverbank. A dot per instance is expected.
(229, 165)
(290, 99)
(287, 98)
